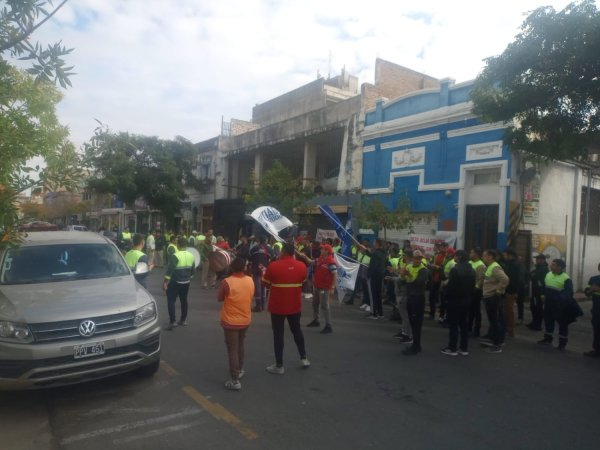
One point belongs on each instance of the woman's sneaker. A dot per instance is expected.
(449, 352)
(233, 385)
(275, 369)
(305, 363)
(463, 352)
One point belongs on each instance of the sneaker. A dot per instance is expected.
(182, 323)
(241, 374)
(275, 369)
(171, 326)
(449, 352)
(400, 335)
(374, 317)
(494, 349)
(367, 309)
(233, 385)
(314, 323)
(406, 340)
(463, 352)
(545, 341)
(305, 363)
(486, 343)
(327, 329)
(364, 306)
(561, 347)
(592, 354)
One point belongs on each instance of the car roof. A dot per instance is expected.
(62, 237)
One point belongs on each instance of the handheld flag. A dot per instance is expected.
(345, 234)
(271, 220)
(347, 273)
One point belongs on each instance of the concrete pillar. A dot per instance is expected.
(310, 163)
(234, 178)
(259, 162)
(221, 175)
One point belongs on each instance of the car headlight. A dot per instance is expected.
(144, 314)
(15, 332)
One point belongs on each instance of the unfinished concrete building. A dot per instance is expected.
(315, 130)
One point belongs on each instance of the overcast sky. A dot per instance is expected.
(175, 67)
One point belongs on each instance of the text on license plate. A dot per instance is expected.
(87, 350)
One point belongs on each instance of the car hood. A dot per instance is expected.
(51, 302)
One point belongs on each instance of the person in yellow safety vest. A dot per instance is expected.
(180, 270)
(494, 284)
(475, 311)
(405, 333)
(337, 245)
(558, 292)
(136, 255)
(449, 263)
(125, 240)
(416, 276)
(277, 246)
(362, 281)
(172, 247)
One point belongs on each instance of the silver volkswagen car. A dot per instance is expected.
(71, 311)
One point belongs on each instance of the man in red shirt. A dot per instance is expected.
(324, 279)
(285, 277)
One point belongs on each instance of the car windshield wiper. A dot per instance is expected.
(64, 274)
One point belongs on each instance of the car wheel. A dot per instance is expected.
(149, 370)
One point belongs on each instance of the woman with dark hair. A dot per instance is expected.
(236, 292)
(459, 291)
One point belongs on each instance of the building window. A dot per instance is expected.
(594, 212)
(487, 177)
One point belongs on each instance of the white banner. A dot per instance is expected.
(271, 220)
(347, 272)
(425, 242)
(325, 234)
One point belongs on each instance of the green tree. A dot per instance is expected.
(372, 212)
(277, 187)
(141, 167)
(29, 127)
(548, 82)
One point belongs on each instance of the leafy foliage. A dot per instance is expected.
(18, 20)
(371, 212)
(548, 81)
(277, 187)
(141, 167)
(29, 127)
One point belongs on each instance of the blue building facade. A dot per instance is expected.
(430, 147)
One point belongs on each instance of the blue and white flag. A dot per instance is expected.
(345, 234)
(347, 273)
(271, 220)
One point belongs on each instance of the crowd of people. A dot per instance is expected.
(452, 286)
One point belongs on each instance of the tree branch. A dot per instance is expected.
(28, 33)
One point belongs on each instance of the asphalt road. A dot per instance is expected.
(359, 393)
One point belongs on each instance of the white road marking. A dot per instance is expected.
(156, 432)
(99, 411)
(129, 426)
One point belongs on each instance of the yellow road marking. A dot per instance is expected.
(167, 368)
(220, 413)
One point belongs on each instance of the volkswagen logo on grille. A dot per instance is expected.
(87, 328)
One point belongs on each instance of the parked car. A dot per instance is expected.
(112, 235)
(76, 228)
(39, 226)
(71, 311)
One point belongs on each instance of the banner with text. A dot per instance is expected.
(426, 243)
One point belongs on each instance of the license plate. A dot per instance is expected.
(87, 350)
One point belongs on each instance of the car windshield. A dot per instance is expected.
(50, 263)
